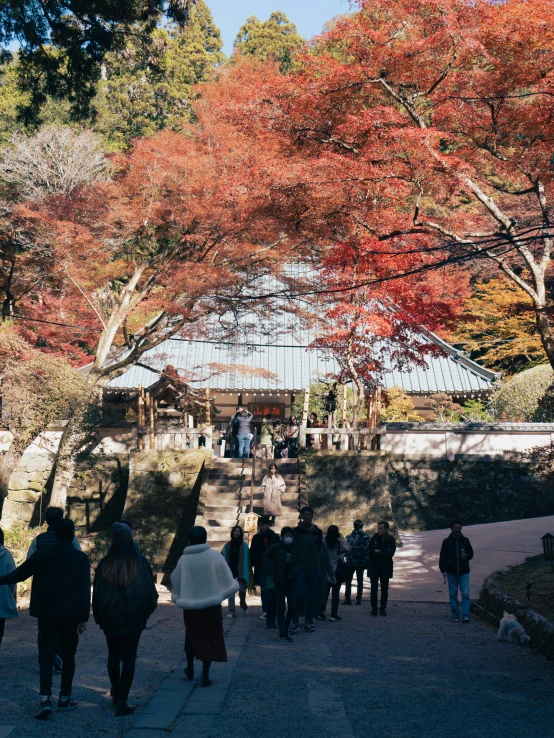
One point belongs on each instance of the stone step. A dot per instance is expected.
(228, 523)
(208, 507)
(232, 498)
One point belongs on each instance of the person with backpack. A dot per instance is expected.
(48, 538)
(282, 563)
(236, 554)
(8, 608)
(357, 561)
(382, 548)
(124, 597)
(200, 582)
(60, 600)
(241, 423)
(337, 548)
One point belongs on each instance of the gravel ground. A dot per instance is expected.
(415, 673)
(160, 652)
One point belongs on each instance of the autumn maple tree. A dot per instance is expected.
(422, 132)
(166, 246)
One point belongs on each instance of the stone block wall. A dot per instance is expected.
(423, 494)
(97, 494)
(26, 486)
(161, 503)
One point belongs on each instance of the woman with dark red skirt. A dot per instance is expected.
(200, 582)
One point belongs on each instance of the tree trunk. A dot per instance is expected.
(545, 327)
(65, 465)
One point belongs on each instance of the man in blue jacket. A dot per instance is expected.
(456, 553)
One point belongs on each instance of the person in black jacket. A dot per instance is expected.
(60, 600)
(456, 553)
(310, 541)
(48, 538)
(382, 548)
(282, 564)
(261, 542)
(124, 596)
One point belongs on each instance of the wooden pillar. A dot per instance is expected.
(344, 406)
(141, 419)
(208, 418)
(149, 408)
(304, 420)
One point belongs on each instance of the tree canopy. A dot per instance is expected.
(275, 38)
(63, 42)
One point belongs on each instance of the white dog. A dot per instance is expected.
(510, 627)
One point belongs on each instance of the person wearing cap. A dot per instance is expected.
(357, 560)
(48, 538)
(124, 596)
(264, 539)
(200, 582)
(60, 600)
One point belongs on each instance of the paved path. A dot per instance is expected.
(412, 674)
(496, 545)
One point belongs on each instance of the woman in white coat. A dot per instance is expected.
(8, 608)
(273, 486)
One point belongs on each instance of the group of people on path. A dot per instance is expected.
(297, 572)
(277, 439)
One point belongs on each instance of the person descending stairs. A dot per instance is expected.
(225, 496)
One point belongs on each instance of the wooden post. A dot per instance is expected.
(208, 427)
(304, 419)
(155, 423)
(141, 421)
(344, 406)
(149, 406)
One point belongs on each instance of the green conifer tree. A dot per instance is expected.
(275, 38)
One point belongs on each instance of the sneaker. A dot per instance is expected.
(374, 613)
(263, 616)
(466, 619)
(335, 619)
(358, 602)
(44, 710)
(309, 628)
(294, 629)
(113, 695)
(455, 620)
(383, 612)
(231, 615)
(58, 664)
(65, 705)
(320, 617)
(347, 602)
(123, 709)
(286, 639)
(245, 610)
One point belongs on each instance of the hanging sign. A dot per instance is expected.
(251, 523)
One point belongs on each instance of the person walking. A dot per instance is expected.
(236, 554)
(261, 542)
(200, 582)
(456, 553)
(382, 548)
(241, 422)
(266, 437)
(8, 608)
(282, 563)
(293, 438)
(124, 596)
(357, 561)
(280, 441)
(60, 600)
(337, 548)
(310, 540)
(48, 538)
(273, 486)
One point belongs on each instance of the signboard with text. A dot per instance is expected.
(260, 409)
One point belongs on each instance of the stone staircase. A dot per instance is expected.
(225, 495)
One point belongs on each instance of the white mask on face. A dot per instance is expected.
(288, 540)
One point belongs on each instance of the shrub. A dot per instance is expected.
(518, 399)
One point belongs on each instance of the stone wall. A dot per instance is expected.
(162, 498)
(26, 486)
(423, 494)
(493, 602)
(97, 494)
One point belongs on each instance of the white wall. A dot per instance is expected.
(449, 440)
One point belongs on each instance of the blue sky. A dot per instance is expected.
(309, 15)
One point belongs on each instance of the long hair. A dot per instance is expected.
(332, 537)
(119, 567)
(233, 529)
(270, 467)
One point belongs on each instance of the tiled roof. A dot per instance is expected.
(274, 356)
(291, 366)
